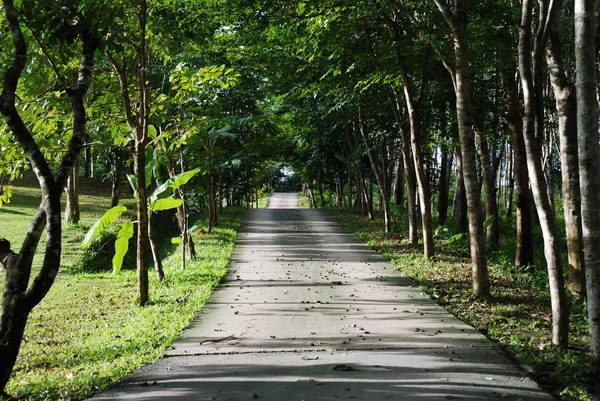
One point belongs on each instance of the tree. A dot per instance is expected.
(137, 116)
(19, 299)
(589, 158)
(457, 21)
(531, 82)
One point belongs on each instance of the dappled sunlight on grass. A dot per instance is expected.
(89, 332)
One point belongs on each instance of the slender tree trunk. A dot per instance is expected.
(510, 180)
(446, 168)
(116, 165)
(419, 162)
(143, 242)
(457, 21)
(160, 274)
(566, 107)
(491, 209)
(87, 166)
(459, 205)
(379, 172)
(72, 212)
(589, 159)
(523, 199)
(399, 184)
(560, 313)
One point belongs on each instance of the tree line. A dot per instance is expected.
(488, 108)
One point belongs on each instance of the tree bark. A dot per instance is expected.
(116, 167)
(399, 184)
(489, 185)
(445, 168)
(523, 200)
(72, 211)
(589, 159)
(560, 313)
(566, 107)
(457, 21)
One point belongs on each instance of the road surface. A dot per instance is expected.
(309, 312)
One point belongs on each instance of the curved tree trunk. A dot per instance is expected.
(20, 297)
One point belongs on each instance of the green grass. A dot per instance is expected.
(518, 317)
(89, 332)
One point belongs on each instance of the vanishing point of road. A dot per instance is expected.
(309, 312)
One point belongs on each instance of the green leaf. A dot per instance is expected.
(165, 204)
(133, 182)
(109, 217)
(453, 239)
(488, 222)
(122, 246)
(172, 184)
(176, 240)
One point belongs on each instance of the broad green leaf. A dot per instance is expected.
(152, 131)
(122, 246)
(109, 217)
(165, 204)
(176, 240)
(172, 184)
(488, 222)
(453, 239)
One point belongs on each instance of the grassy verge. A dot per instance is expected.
(89, 332)
(518, 317)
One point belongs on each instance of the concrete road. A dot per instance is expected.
(309, 312)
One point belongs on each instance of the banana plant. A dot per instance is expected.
(162, 198)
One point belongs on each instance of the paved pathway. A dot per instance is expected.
(308, 312)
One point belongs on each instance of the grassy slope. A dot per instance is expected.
(88, 332)
(518, 317)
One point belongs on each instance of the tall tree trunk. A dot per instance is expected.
(491, 208)
(87, 167)
(142, 241)
(212, 203)
(72, 212)
(422, 181)
(566, 107)
(379, 172)
(446, 168)
(459, 205)
(399, 184)
(457, 21)
(116, 164)
(523, 200)
(510, 178)
(589, 159)
(560, 313)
